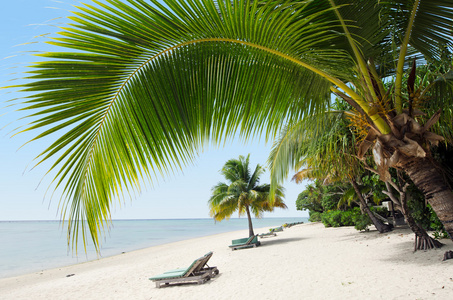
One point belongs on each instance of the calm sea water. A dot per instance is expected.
(32, 246)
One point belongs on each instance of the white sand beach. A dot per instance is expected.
(303, 262)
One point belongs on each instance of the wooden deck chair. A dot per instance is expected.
(277, 229)
(198, 272)
(245, 243)
(267, 234)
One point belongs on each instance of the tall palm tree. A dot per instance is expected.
(138, 87)
(243, 193)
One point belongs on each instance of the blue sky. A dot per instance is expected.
(23, 189)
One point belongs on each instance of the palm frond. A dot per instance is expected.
(142, 88)
(315, 135)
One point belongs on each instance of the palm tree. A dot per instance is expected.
(328, 155)
(243, 193)
(139, 87)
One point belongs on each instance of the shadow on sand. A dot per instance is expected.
(403, 251)
(276, 240)
(373, 234)
(404, 254)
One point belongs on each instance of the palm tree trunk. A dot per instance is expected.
(429, 178)
(381, 227)
(247, 209)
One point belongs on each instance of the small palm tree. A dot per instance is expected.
(243, 193)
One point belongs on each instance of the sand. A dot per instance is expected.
(303, 262)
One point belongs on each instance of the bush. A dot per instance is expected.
(314, 216)
(347, 218)
(352, 217)
(361, 221)
(331, 218)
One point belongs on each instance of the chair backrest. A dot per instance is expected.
(197, 264)
(203, 262)
(251, 239)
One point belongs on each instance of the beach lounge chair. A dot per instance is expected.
(245, 243)
(276, 229)
(198, 272)
(267, 234)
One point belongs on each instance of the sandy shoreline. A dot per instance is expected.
(303, 262)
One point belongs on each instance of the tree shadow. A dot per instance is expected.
(403, 253)
(373, 234)
(279, 241)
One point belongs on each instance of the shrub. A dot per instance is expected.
(352, 217)
(361, 221)
(347, 218)
(331, 218)
(314, 216)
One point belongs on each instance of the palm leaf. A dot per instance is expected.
(314, 136)
(143, 87)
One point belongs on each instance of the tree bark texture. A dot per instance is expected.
(251, 233)
(429, 178)
(381, 227)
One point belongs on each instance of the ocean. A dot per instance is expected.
(33, 246)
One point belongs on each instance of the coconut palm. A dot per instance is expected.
(328, 155)
(137, 88)
(243, 193)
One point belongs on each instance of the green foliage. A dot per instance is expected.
(352, 217)
(418, 209)
(347, 218)
(135, 89)
(332, 194)
(423, 214)
(318, 197)
(309, 200)
(376, 185)
(314, 216)
(437, 226)
(331, 218)
(361, 221)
